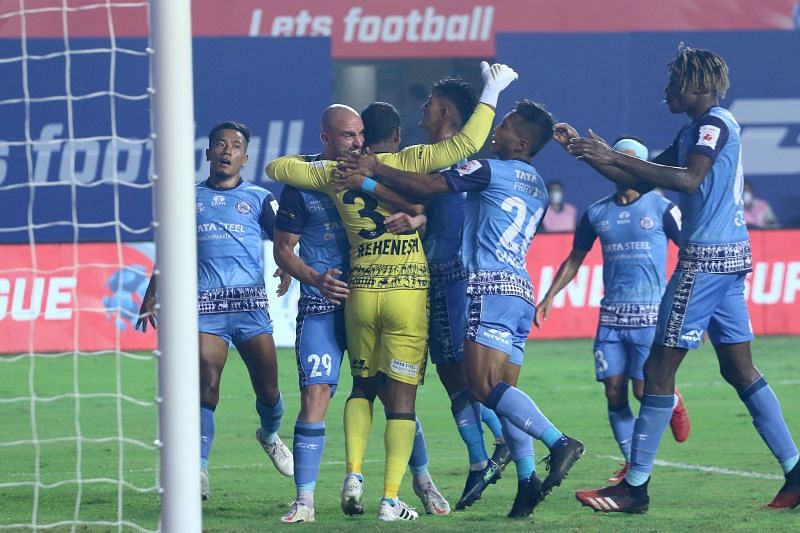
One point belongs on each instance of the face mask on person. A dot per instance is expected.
(556, 197)
(747, 197)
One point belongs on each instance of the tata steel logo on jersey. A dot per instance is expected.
(243, 208)
(624, 218)
(217, 200)
(647, 223)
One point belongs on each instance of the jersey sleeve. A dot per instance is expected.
(426, 158)
(269, 209)
(295, 170)
(584, 234)
(669, 156)
(711, 133)
(473, 175)
(672, 223)
(292, 213)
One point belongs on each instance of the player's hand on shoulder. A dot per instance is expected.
(332, 288)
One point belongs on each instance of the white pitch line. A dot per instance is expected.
(704, 468)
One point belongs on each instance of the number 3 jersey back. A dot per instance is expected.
(506, 201)
(231, 226)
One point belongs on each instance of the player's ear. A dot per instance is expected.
(244, 161)
(397, 136)
(208, 151)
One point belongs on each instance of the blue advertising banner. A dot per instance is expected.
(97, 187)
(614, 84)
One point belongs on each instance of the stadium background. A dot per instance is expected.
(275, 66)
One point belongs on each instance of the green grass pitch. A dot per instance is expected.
(716, 481)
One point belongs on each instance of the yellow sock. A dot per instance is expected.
(398, 440)
(357, 423)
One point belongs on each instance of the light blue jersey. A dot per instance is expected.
(634, 246)
(506, 201)
(231, 225)
(715, 238)
(323, 241)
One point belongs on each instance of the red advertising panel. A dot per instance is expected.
(772, 290)
(64, 297)
(414, 28)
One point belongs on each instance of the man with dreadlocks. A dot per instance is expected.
(706, 291)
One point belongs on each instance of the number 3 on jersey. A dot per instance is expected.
(509, 239)
(368, 211)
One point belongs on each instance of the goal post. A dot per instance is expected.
(173, 120)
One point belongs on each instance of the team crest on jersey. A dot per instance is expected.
(200, 207)
(647, 223)
(709, 135)
(217, 200)
(243, 208)
(469, 167)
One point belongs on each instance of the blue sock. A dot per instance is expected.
(270, 418)
(491, 419)
(622, 420)
(309, 443)
(207, 429)
(768, 419)
(466, 414)
(520, 409)
(418, 462)
(653, 419)
(521, 446)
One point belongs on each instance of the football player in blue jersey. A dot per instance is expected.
(444, 113)
(706, 291)
(633, 229)
(506, 200)
(233, 216)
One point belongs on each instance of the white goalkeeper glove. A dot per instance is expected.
(495, 78)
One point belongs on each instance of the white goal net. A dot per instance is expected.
(78, 385)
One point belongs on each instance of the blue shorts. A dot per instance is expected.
(696, 302)
(621, 351)
(447, 321)
(237, 327)
(319, 348)
(500, 322)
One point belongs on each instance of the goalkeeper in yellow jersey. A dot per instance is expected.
(386, 309)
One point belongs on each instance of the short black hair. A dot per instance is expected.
(537, 124)
(381, 120)
(459, 93)
(230, 125)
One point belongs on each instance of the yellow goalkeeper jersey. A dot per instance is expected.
(380, 260)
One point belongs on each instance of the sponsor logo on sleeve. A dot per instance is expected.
(708, 136)
(469, 167)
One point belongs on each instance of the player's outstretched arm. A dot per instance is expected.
(638, 174)
(147, 311)
(427, 158)
(354, 167)
(566, 271)
(296, 171)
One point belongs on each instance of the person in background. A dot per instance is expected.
(561, 216)
(758, 213)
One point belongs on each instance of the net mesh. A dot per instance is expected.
(77, 396)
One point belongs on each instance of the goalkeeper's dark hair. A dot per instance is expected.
(381, 120)
(230, 125)
(696, 68)
(536, 125)
(459, 93)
